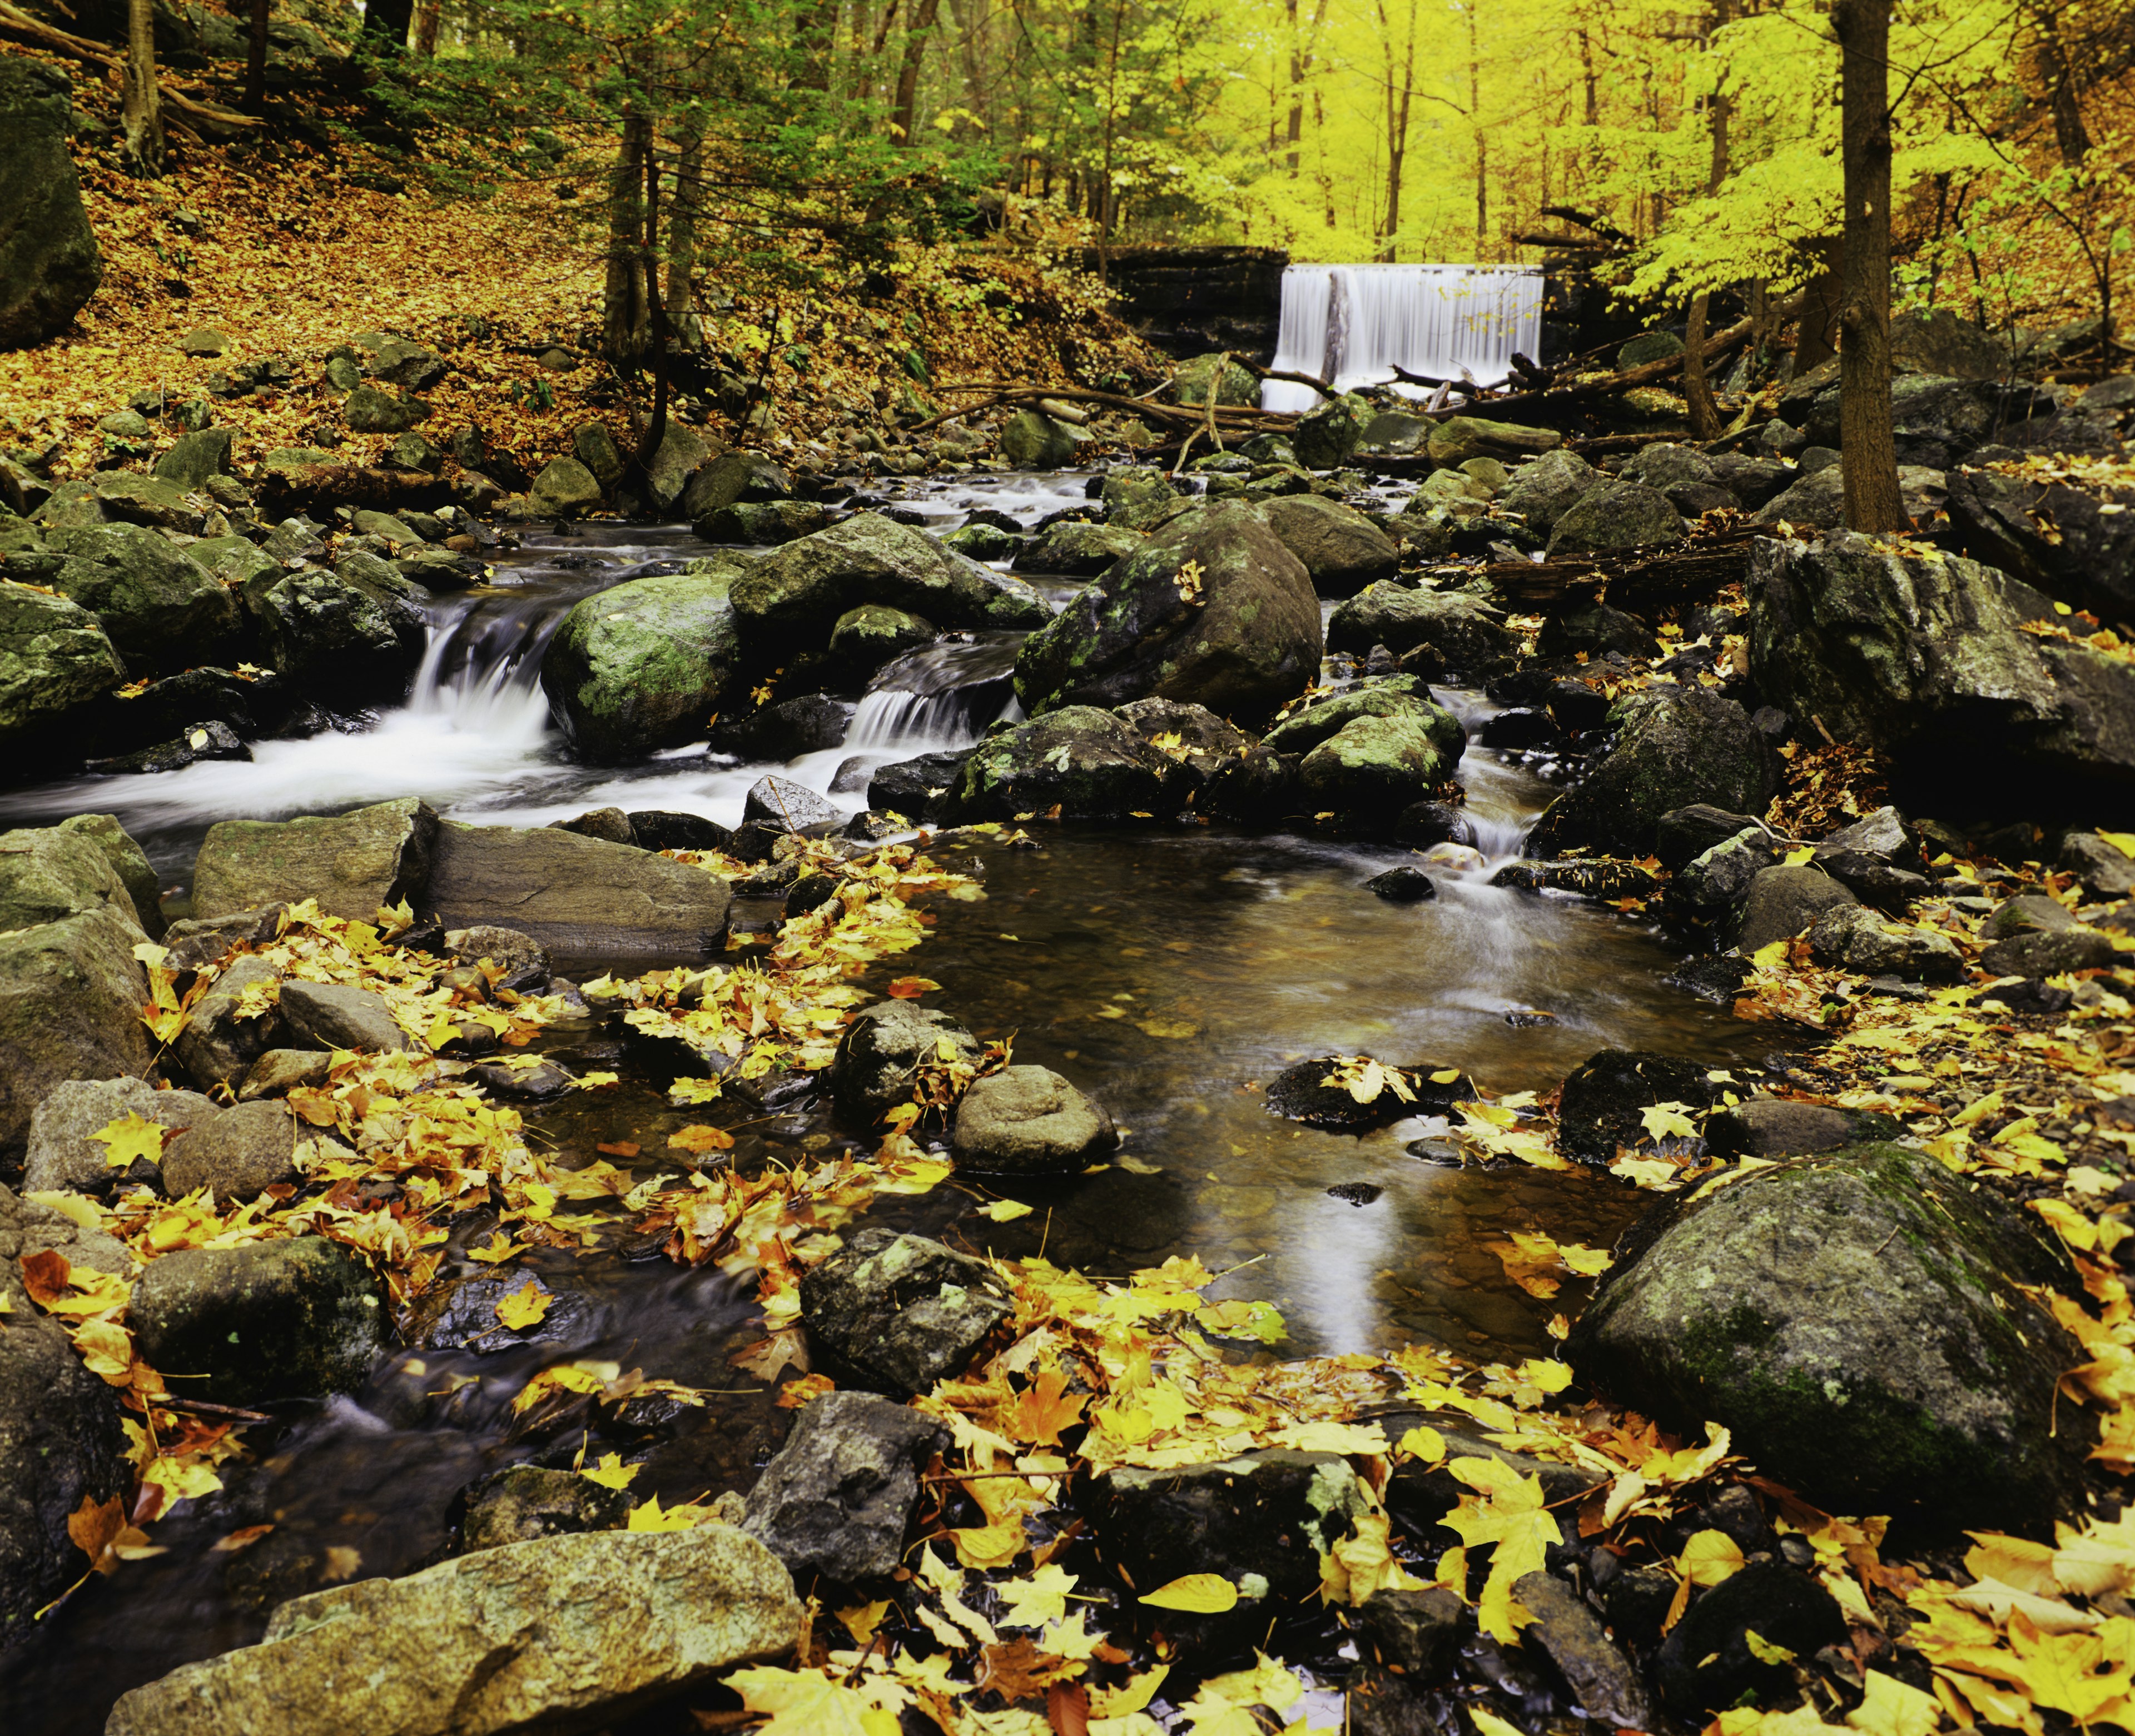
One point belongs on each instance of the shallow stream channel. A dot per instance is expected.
(1170, 972)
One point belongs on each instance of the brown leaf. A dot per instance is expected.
(44, 1276)
(617, 1149)
(782, 1350)
(243, 1538)
(1067, 1709)
(1017, 1670)
(95, 1526)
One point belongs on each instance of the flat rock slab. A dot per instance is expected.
(575, 895)
(560, 1634)
(352, 865)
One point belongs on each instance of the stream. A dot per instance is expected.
(1168, 971)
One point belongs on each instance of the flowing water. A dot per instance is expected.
(1169, 971)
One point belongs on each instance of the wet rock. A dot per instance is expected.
(1084, 761)
(1519, 729)
(1613, 517)
(353, 865)
(523, 1502)
(1752, 481)
(902, 1311)
(353, 636)
(1602, 1680)
(60, 1442)
(2105, 869)
(878, 1058)
(1258, 788)
(1190, 381)
(1310, 1093)
(1030, 440)
(54, 657)
(1077, 550)
(733, 477)
(1028, 1120)
(1857, 1322)
(50, 265)
(2069, 542)
(1261, 1520)
(236, 1154)
(1675, 747)
(1419, 1495)
(71, 998)
(575, 895)
(1403, 885)
(195, 941)
(1139, 500)
(63, 1150)
(1868, 943)
(335, 1016)
(1596, 630)
(1778, 1127)
(1373, 768)
(863, 639)
(523, 959)
(1926, 661)
(641, 666)
(1194, 737)
(1707, 1661)
(1418, 1631)
(1714, 882)
(919, 789)
(610, 824)
(207, 740)
(808, 724)
(762, 523)
(983, 543)
(1427, 823)
(1469, 633)
(1637, 1602)
(49, 872)
(1327, 434)
(564, 489)
(1341, 549)
(452, 1650)
(1212, 609)
(2049, 953)
(780, 805)
(655, 829)
(1602, 877)
(838, 1497)
(1544, 489)
(275, 1320)
(794, 596)
(279, 1072)
(2035, 913)
(1376, 1702)
(1458, 438)
(1785, 901)
(218, 1043)
(463, 1316)
(1600, 1106)
(163, 609)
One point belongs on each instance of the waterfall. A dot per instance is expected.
(1353, 325)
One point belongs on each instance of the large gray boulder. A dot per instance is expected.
(164, 612)
(1925, 658)
(1860, 1324)
(355, 634)
(735, 479)
(1467, 632)
(1613, 517)
(1340, 547)
(194, 457)
(1675, 747)
(1544, 489)
(560, 1634)
(900, 1310)
(2076, 545)
(54, 657)
(678, 458)
(353, 865)
(128, 860)
(1031, 440)
(1028, 1120)
(837, 1498)
(795, 595)
(50, 265)
(644, 666)
(71, 993)
(1076, 550)
(48, 873)
(340, 1016)
(575, 895)
(294, 1320)
(1084, 761)
(64, 1151)
(60, 1442)
(1212, 609)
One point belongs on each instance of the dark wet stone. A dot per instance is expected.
(1402, 886)
(1602, 1680)
(1426, 823)
(1685, 833)
(522, 1502)
(1707, 1662)
(1418, 1631)
(904, 1311)
(1306, 1093)
(1356, 1194)
(1600, 1106)
(878, 1058)
(1778, 1127)
(838, 1498)
(464, 1317)
(656, 829)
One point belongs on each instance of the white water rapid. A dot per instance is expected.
(1353, 325)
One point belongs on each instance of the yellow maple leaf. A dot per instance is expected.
(649, 1515)
(611, 1473)
(134, 1137)
(1510, 1515)
(1032, 1602)
(1893, 1708)
(802, 1703)
(525, 1305)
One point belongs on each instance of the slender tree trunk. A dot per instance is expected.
(427, 15)
(1593, 83)
(256, 58)
(1400, 99)
(656, 430)
(904, 113)
(1866, 445)
(142, 102)
(1696, 386)
(1481, 144)
(678, 305)
(625, 314)
(813, 27)
(1818, 341)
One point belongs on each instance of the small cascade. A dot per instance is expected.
(1353, 325)
(939, 696)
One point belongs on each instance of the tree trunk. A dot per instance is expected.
(1869, 451)
(1818, 341)
(813, 27)
(904, 111)
(681, 313)
(625, 313)
(427, 15)
(1697, 387)
(256, 58)
(656, 430)
(142, 101)
(385, 22)
(1482, 144)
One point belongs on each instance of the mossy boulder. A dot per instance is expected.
(50, 265)
(1469, 632)
(642, 666)
(1544, 489)
(1032, 440)
(162, 609)
(1616, 517)
(1211, 609)
(1861, 1325)
(1075, 550)
(1190, 380)
(54, 655)
(355, 634)
(1341, 549)
(1086, 762)
(866, 637)
(1675, 747)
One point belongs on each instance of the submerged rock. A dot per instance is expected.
(903, 1310)
(561, 1634)
(838, 1497)
(1211, 609)
(1858, 1322)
